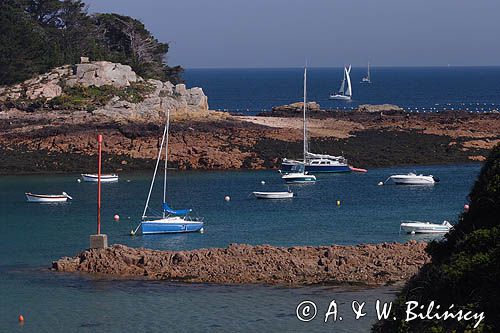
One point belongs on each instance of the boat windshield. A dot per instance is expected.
(299, 168)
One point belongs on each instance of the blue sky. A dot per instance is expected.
(329, 33)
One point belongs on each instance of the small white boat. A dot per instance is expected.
(31, 197)
(344, 93)
(413, 179)
(93, 177)
(298, 175)
(416, 227)
(273, 195)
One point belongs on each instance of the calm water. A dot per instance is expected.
(415, 89)
(36, 234)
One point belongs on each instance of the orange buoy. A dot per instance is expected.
(20, 318)
(116, 217)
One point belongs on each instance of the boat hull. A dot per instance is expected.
(319, 168)
(45, 198)
(340, 97)
(104, 178)
(170, 226)
(273, 195)
(298, 178)
(425, 228)
(405, 180)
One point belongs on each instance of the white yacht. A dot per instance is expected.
(413, 179)
(416, 227)
(314, 162)
(367, 78)
(345, 91)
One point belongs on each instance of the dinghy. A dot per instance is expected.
(416, 227)
(298, 175)
(93, 177)
(273, 195)
(31, 197)
(344, 93)
(169, 221)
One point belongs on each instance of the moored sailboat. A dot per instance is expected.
(314, 162)
(169, 220)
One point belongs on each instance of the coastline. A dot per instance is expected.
(63, 142)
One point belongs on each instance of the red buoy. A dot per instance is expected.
(20, 318)
(116, 217)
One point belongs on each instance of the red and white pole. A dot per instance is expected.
(99, 140)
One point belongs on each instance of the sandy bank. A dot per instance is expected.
(379, 264)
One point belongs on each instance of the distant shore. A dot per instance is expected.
(369, 265)
(64, 142)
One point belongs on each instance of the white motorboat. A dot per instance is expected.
(344, 93)
(413, 179)
(31, 197)
(298, 175)
(93, 177)
(416, 227)
(273, 195)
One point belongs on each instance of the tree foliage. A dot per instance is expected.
(41, 34)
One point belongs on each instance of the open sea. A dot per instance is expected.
(416, 89)
(36, 234)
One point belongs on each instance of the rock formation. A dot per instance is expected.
(299, 265)
(156, 96)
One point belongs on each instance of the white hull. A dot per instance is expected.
(412, 179)
(104, 178)
(425, 227)
(298, 177)
(47, 197)
(273, 195)
(340, 97)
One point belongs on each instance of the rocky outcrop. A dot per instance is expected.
(156, 97)
(378, 108)
(101, 73)
(299, 265)
(297, 107)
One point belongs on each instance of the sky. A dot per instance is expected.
(328, 33)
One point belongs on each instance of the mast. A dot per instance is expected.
(305, 108)
(166, 162)
(368, 71)
(154, 174)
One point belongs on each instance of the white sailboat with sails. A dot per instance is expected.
(345, 91)
(367, 78)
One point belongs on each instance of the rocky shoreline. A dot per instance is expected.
(49, 124)
(370, 265)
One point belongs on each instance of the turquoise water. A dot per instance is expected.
(36, 234)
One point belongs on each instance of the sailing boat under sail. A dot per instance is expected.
(169, 220)
(315, 162)
(345, 91)
(367, 78)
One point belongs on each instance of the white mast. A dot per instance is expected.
(369, 71)
(166, 162)
(305, 108)
(154, 174)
